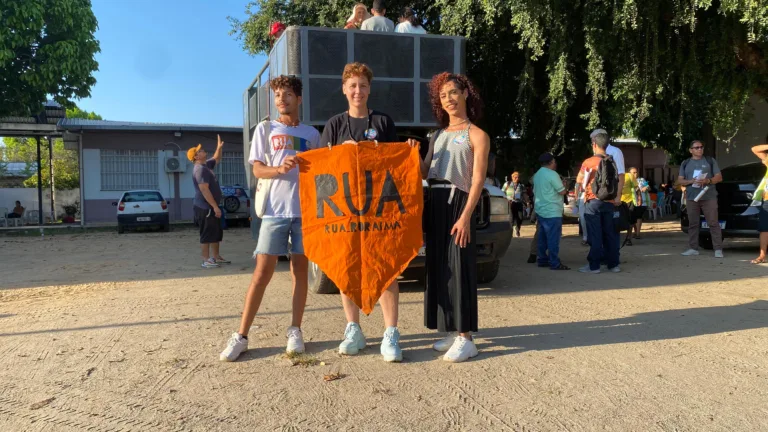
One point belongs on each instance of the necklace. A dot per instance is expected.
(289, 125)
(456, 124)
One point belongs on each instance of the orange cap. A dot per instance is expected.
(193, 151)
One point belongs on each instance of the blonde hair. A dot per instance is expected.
(366, 15)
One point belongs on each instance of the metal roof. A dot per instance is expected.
(85, 124)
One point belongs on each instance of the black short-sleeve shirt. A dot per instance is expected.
(337, 129)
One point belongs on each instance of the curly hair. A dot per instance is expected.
(356, 69)
(286, 82)
(474, 103)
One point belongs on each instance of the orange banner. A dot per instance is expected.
(361, 208)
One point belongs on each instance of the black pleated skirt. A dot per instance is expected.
(450, 300)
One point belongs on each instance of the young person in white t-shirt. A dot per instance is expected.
(409, 23)
(274, 157)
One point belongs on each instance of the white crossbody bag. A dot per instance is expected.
(263, 184)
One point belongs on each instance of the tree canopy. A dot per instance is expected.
(47, 49)
(664, 71)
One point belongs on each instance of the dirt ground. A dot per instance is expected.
(107, 332)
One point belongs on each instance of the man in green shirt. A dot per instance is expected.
(548, 191)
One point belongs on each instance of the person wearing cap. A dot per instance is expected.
(277, 30)
(206, 203)
(548, 192)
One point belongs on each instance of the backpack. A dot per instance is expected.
(605, 186)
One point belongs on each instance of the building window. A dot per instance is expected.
(123, 170)
(231, 170)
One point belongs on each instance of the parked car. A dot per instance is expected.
(237, 205)
(142, 208)
(734, 195)
(571, 201)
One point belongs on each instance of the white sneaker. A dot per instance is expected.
(445, 344)
(462, 350)
(719, 253)
(354, 340)
(587, 269)
(210, 263)
(616, 269)
(390, 345)
(236, 346)
(690, 252)
(295, 341)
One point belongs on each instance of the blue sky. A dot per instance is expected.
(170, 61)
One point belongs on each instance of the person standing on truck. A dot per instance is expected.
(454, 167)
(379, 22)
(359, 123)
(359, 15)
(273, 155)
(698, 176)
(277, 30)
(549, 190)
(409, 23)
(206, 209)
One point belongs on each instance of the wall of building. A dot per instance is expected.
(29, 199)
(177, 187)
(754, 132)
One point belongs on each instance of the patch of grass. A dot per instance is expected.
(304, 359)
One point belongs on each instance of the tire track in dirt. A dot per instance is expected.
(476, 404)
(82, 420)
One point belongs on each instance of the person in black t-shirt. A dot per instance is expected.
(359, 123)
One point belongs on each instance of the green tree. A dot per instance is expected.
(66, 171)
(47, 49)
(666, 72)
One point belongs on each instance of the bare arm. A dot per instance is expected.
(260, 170)
(481, 145)
(219, 147)
(761, 151)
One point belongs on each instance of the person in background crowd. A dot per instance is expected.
(18, 210)
(206, 203)
(454, 165)
(636, 196)
(273, 155)
(761, 199)
(409, 23)
(599, 214)
(278, 29)
(514, 191)
(359, 123)
(490, 176)
(548, 188)
(698, 176)
(359, 14)
(618, 157)
(379, 22)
